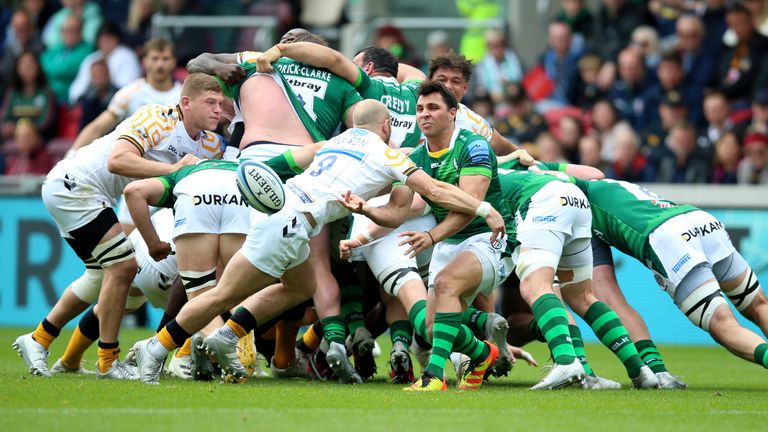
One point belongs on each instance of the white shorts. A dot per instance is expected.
(384, 252)
(686, 241)
(72, 205)
(279, 242)
(152, 283)
(209, 202)
(558, 206)
(495, 267)
(263, 150)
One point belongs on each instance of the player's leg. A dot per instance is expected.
(197, 255)
(739, 282)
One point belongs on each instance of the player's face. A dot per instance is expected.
(206, 109)
(358, 60)
(291, 35)
(159, 64)
(433, 115)
(453, 80)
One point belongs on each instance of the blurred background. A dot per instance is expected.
(668, 92)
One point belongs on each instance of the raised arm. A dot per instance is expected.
(406, 72)
(139, 195)
(223, 66)
(312, 54)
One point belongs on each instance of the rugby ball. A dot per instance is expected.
(260, 186)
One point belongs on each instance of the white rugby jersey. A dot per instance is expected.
(358, 161)
(157, 131)
(163, 222)
(138, 93)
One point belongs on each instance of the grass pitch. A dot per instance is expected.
(726, 394)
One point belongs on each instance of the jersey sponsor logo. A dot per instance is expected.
(215, 199)
(304, 71)
(395, 103)
(662, 204)
(479, 154)
(180, 222)
(400, 123)
(297, 83)
(702, 230)
(574, 202)
(541, 219)
(676, 268)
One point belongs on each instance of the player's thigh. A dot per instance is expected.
(197, 252)
(229, 244)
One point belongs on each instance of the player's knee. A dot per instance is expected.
(531, 260)
(116, 251)
(194, 281)
(394, 278)
(701, 306)
(88, 286)
(747, 292)
(445, 285)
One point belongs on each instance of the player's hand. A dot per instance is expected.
(188, 159)
(159, 251)
(346, 246)
(523, 156)
(230, 73)
(354, 203)
(497, 225)
(417, 241)
(264, 60)
(517, 353)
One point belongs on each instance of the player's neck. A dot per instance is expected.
(440, 141)
(192, 130)
(162, 85)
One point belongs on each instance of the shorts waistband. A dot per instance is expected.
(255, 143)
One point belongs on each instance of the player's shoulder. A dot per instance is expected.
(156, 117)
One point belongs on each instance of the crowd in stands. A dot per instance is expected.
(671, 91)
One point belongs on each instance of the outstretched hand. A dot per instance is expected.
(353, 203)
(418, 241)
(264, 60)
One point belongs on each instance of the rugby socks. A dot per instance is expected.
(611, 332)
(578, 347)
(163, 321)
(310, 341)
(535, 331)
(447, 326)
(334, 329)
(401, 331)
(650, 355)
(108, 353)
(241, 323)
(45, 333)
(285, 338)
(185, 349)
(475, 319)
(761, 355)
(85, 334)
(352, 307)
(467, 343)
(170, 337)
(553, 322)
(418, 318)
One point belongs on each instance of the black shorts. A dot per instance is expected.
(601, 253)
(87, 237)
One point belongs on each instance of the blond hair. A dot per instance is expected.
(198, 83)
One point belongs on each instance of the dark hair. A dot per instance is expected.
(451, 60)
(109, 29)
(428, 87)
(157, 44)
(383, 60)
(40, 81)
(738, 8)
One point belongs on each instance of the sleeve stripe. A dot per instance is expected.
(476, 171)
(412, 169)
(161, 202)
(292, 162)
(133, 141)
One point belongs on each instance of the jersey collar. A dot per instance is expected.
(440, 153)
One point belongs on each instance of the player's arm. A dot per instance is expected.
(97, 128)
(583, 172)
(139, 195)
(312, 54)
(406, 72)
(127, 160)
(223, 66)
(500, 145)
(303, 156)
(474, 185)
(390, 215)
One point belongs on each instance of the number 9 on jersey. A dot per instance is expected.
(260, 186)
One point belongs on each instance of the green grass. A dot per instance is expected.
(726, 394)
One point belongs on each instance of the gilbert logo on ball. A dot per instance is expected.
(260, 186)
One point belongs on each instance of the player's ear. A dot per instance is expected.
(184, 103)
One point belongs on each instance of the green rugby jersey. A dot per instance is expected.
(320, 98)
(283, 165)
(624, 215)
(468, 154)
(400, 100)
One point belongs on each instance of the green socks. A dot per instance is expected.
(650, 355)
(578, 347)
(553, 322)
(401, 331)
(352, 307)
(334, 329)
(611, 332)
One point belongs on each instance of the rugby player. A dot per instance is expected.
(80, 194)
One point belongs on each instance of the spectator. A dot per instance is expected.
(713, 18)
(96, 100)
(752, 170)
(472, 44)
(604, 121)
(646, 40)
(549, 149)
(89, 13)
(758, 121)
(672, 111)
(500, 66)
(679, 161)
(136, 28)
(60, 63)
(742, 67)
(114, 11)
(758, 11)
(483, 106)
(570, 132)
(589, 152)
(629, 165)
(123, 63)
(560, 62)
(586, 90)
(40, 11)
(189, 42)
(23, 38)
(718, 124)
(579, 18)
(699, 64)
(522, 124)
(614, 22)
(438, 43)
(28, 157)
(630, 93)
(670, 79)
(726, 160)
(665, 13)
(393, 40)
(28, 97)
